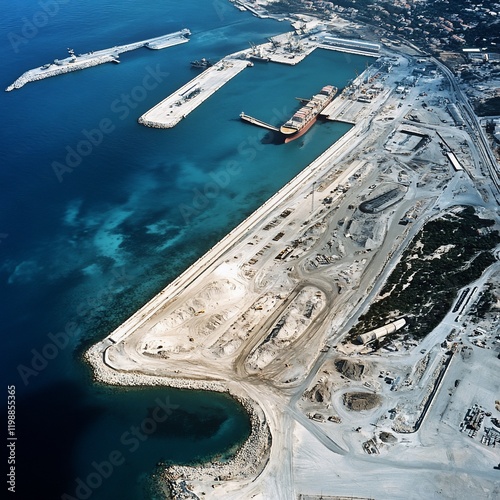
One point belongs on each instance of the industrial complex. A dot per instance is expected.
(313, 311)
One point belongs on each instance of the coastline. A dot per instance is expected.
(252, 457)
(257, 448)
(113, 236)
(105, 374)
(246, 464)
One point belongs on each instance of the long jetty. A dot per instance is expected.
(83, 61)
(169, 112)
(259, 123)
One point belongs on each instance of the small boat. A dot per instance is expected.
(202, 63)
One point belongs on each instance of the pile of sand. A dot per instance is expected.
(350, 368)
(359, 401)
(387, 437)
(320, 393)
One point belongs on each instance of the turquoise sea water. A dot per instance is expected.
(82, 251)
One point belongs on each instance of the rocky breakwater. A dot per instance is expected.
(248, 462)
(55, 69)
(108, 375)
(154, 124)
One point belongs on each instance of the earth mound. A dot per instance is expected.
(350, 369)
(387, 437)
(359, 401)
(320, 393)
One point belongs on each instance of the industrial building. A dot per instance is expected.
(381, 332)
(351, 44)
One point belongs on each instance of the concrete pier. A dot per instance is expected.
(259, 123)
(169, 112)
(83, 61)
(283, 49)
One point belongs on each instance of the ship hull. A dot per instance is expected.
(301, 132)
(306, 117)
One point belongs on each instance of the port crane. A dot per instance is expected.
(275, 43)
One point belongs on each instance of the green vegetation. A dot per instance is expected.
(447, 254)
(453, 24)
(485, 304)
(295, 7)
(490, 107)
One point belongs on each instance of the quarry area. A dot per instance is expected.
(355, 314)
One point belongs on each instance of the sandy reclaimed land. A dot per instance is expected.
(264, 315)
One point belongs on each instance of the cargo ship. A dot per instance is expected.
(304, 118)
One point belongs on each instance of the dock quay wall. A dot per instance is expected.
(169, 112)
(210, 260)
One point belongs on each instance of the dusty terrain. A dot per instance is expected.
(265, 315)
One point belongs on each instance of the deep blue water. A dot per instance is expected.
(82, 250)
